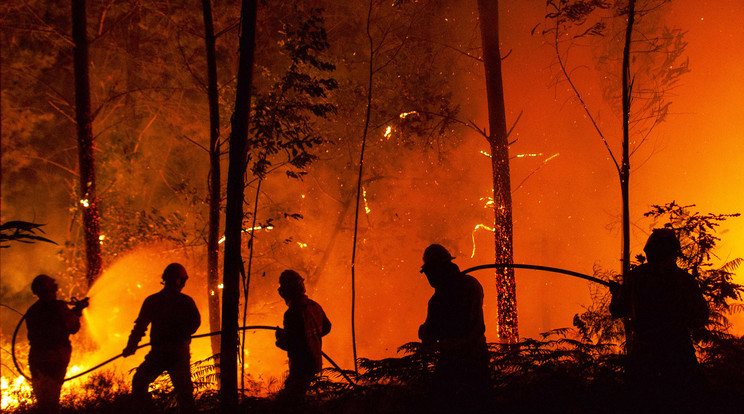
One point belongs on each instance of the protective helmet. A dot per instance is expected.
(174, 273)
(437, 254)
(662, 243)
(291, 282)
(42, 283)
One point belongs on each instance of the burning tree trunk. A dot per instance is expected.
(234, 212)
(88, 200)
(497, 138)
(213, 247)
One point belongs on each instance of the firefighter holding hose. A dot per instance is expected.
(663, 304)
(174, 318)
(50, 322)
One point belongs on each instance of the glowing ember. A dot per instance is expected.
(472, 234)
(364, 197)
(85, 202)
(267, 228)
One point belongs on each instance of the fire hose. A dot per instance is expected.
(256, 327)
(242, 328)
(538, 267)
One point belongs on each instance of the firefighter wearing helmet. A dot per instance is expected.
(49, 323)
(663, 305)
(305, 325)
(454, 326)
(174, 318)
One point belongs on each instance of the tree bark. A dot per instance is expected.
(214, 184)
(497, 139)
(234, 212)
(86, 146)
(625, 165)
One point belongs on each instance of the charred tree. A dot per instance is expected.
(233, 262)
(214, 191)
(498, 141)
(86, 145)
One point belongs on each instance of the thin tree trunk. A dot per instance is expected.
(215, 199)
(497, 138)
(625, 166)
(359, 190)
(234, 212)
(88, 200)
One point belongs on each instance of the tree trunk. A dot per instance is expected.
(497, 138)
(88, 200)
(625, 166)
(234, 212)
(215, 199)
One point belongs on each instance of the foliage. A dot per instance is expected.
(657, 55)
(21, 231)
(698, 236)
(282, 119)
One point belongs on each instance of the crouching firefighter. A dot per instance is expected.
(174, 318)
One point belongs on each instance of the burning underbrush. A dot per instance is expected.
(559, 373)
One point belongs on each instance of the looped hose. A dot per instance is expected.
(78, 375)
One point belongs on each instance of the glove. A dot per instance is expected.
(79, 305)
(129, 350)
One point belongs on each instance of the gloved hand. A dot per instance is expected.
(79, 305)
(129, 350)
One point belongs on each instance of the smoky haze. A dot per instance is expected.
(566, 196)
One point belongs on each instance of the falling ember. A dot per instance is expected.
(486, 154)
(388, 131)
(302, 245)
(364, 196)
(405, 114)
(529, 155)
(472, 235)
(489, 202)
(85, 202)
(267, 228)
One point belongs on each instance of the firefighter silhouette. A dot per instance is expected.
(50, 322)
(174, 318)
(663, 304)
(305, 325)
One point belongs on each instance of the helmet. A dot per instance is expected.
(42, 283)
(662, 243)
(174, 273)
(291, 282)
(436, 253)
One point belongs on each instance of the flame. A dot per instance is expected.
(14, 392)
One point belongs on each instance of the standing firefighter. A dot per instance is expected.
(663, 304)
(50, 323)
(305, 324)
(174, 318)
(454, 327)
